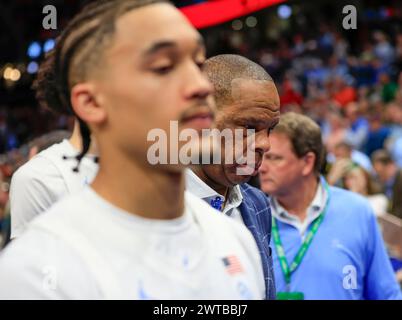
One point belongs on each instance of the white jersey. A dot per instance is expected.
(86, 248)
(44, 180)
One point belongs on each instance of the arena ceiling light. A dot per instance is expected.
(284, 11)
(48, 45)
(32, 67)
(34, 50)
(11, 74)
(214, 12)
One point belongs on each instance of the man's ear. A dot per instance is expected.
(309, 161)
(85, 103)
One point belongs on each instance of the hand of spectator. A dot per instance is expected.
(338, 170)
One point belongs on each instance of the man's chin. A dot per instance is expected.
(235, 180)
(169, 168)
(269, 191)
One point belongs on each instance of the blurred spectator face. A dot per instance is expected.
(353, 61)
(382, 171)
(286, 86)
(379, 37)
(363, 92)
(355, 180)
(342, 152)
(297, 39)
(333, 61)
(384, 166)
(398, 95)
(335, 120)
(394, 113)
(363, 105)
(281, 169)
(339, 83)
(3, 124)
(376, 63)
(255, 106)
(351, 111)
(375, 122)
(384, 78)
(399, 39)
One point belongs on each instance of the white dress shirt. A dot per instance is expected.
(200, 189)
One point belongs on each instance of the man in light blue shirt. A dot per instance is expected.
(327, 241)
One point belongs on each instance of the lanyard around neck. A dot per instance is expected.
(286, 269)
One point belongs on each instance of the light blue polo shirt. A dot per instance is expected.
(347, 258)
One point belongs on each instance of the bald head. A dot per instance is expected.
(226, 69)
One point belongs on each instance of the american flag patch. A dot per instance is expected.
(232, 265)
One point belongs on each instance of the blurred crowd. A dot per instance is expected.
(357, 100)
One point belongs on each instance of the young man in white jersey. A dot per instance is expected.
(47, 178)
(134, 233)
(49, 175)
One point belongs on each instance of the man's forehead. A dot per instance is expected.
(280, 140)
(144, 26)
(255, 92)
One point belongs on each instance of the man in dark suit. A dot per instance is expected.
(246, 100)
(391, 178)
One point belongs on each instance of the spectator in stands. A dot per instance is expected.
(391, 178)
(344, 154)
(377, 135)
(289, 95)
(388, 87)
(333, 130)
(358, 180)
(357, 132)
(327, 241)
(343, 93)
(8, 139)
(383, 49)
(393, 114)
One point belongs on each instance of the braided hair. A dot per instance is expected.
(78, 49)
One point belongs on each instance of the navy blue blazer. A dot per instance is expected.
(256, 213)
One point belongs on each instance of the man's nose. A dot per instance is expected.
(263, 169)
(262, 143)
(197, 84)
